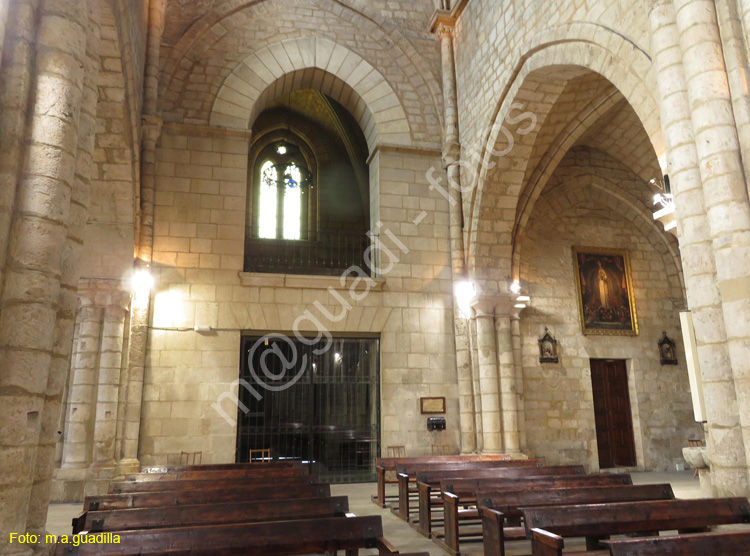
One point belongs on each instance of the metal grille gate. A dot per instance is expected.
(321, 408)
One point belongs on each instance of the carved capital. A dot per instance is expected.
(101, 292)
(151, 128)
(442, 23)
(444, 31)
(489, 305)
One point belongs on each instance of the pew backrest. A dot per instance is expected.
(213, 514)
(413, 469)
(469, 487)
(510, 502)
(389, 464)
(179, 497)
(221, 466)
(634, 517)
(434, 477)
(268, 538)
(736, 543)
(215, 484)
(210, 474)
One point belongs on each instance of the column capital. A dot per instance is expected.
(489, 305)
(151, 127)
(103, 293)
(442, 23)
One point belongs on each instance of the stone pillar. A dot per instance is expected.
(141, 306)
(103, 464)
(68, 297)
(515, 330)
(3, 24)
(475, 385)
(724, 187)
(507, 374)
(735, 54)
(15, 85)
(65, 402)
(488, 376)
(28, 305)
(81, 404)
(699, 270)
(451, 156)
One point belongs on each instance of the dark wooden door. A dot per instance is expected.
(614, 423)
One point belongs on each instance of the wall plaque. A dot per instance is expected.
(432, 406)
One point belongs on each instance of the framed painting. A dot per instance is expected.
(605, 291)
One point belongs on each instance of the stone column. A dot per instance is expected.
(724, 186)
(451, 156)
(3, 23)
(103, 464)
(699, 270)
(139, 315)
(65, 400)
(475, 386)
(81, 404)
(110, 361)
(28, 305)
(488, 376)
(734, 48)
(68, 297)
(141, 307)
(507, 374)
(515, 330)
(15, 86)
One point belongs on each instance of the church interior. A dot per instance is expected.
(338, 235)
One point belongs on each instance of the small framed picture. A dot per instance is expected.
(432, 406)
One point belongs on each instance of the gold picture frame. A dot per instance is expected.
(606, 304)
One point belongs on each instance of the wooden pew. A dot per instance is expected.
(173, 497)
(736, 543)
(430, 479)
(407, 474)
(383, 465)
(463, 492)
(214, 514)
(221, 466)
(159, 486)
(211, 474)
(547, 526)
(268, 538)
(188, 497)
(509, 502)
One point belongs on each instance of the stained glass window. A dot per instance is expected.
(268, 200)
(292, 202)
(280, 206)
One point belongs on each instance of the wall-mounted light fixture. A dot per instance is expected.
(515, 287)
(142, 281)
(465, 292)
(664, 197)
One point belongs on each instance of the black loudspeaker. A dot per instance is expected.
(435, 423)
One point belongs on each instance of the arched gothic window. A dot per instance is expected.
(283, 180)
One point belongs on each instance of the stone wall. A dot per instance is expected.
(110, 237)
(578, 209)
(496, 37)
(198, 260)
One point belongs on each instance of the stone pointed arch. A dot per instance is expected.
(315, 63)
(604, 52)
(626, 206)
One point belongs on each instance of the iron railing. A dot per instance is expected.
(326, 254)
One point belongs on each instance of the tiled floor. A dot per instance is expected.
(397, 531)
